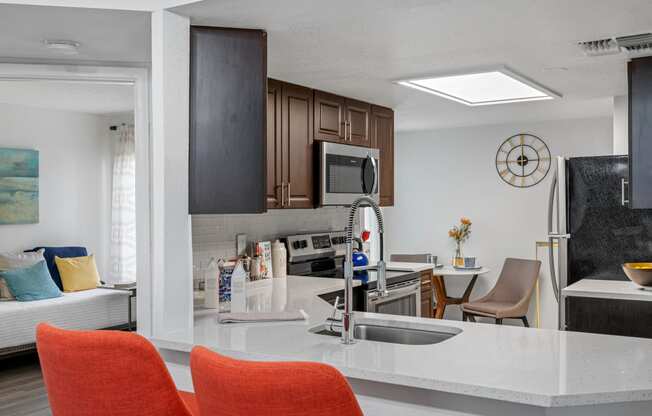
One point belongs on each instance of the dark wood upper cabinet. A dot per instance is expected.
(228, 99)
(291, 163)
(640, 133)
(342, 120)
(329, 117)
(275, 192)
(382, 138)
(358, 119)
(297, 145)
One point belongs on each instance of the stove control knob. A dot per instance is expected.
(304, 243)
(296, 245)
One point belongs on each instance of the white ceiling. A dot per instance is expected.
(108, 36)
(80, 97)
(143, 5)
(357, 48)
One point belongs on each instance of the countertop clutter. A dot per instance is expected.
(536, 367)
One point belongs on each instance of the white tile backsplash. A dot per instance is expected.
(214, 235)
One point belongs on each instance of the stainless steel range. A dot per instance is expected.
(322, 255)
(317, 254)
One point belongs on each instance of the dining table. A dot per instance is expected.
(442, 297)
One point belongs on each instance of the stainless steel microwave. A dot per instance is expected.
(347, 173)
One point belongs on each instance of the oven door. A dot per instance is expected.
(403, 299)
(347, 173)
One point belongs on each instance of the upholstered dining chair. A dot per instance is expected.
(107, 373)
(229, 387)
(510, 297)
(411, 258)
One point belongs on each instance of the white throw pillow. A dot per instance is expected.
(10, 261)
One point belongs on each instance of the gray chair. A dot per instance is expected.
(510, 297)
(411, 258)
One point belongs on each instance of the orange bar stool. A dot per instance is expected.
(228, 387)
(107, 373)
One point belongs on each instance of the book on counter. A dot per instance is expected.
(264, 250)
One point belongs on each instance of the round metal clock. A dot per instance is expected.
(523, 160)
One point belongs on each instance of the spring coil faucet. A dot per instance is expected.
(347, 314)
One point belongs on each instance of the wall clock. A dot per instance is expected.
(523, 160)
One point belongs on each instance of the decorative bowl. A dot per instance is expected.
(639, 273)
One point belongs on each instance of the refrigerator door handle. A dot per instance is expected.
(552, 235)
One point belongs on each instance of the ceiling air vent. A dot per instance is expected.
(600, 47)
(634, 45)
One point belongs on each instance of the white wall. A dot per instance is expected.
(621, 125)
(445, 174)
(74, 183)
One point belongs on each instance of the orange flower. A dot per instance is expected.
(465, 221)
(452, 233)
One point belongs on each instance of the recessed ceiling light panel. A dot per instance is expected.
(485, 87)
(63, 47)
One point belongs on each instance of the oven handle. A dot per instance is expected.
(396, 291)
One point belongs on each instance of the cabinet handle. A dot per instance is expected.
(289, 201)
(349, 123)
(623, 199)
(282, 195)
(345, 136)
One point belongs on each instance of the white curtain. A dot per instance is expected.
(123, 209)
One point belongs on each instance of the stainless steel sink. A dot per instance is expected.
(393, 335)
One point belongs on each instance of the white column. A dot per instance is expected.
(621, 125)
(172, 314)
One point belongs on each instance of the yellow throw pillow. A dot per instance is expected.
(78, 273)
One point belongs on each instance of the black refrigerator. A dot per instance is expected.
(594, 232)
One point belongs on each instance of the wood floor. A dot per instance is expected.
(22, 391)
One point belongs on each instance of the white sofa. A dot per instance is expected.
(88, 309)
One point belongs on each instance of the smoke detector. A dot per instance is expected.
(632, 45)
(62, 47)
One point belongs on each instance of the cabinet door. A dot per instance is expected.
(228, 91)
(329, 117)
(630, 318)
(297, 152)
(274, 145)
(358, 116)
(382, 138)
(640, 133)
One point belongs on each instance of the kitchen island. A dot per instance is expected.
(612, 307)
(483, 370)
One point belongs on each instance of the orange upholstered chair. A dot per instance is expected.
(107, 373)
(228, 387)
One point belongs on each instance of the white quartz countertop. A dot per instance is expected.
(607, 289)
(539, 367)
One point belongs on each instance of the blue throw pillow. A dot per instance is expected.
(63, 252)
(31, 283)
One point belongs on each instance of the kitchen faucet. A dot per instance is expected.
(381, 284)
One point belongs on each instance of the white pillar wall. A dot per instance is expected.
(172, 313)
(621, 125)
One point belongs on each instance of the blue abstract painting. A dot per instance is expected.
(18, 186)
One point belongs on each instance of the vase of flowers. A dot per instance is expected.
(460, 233)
